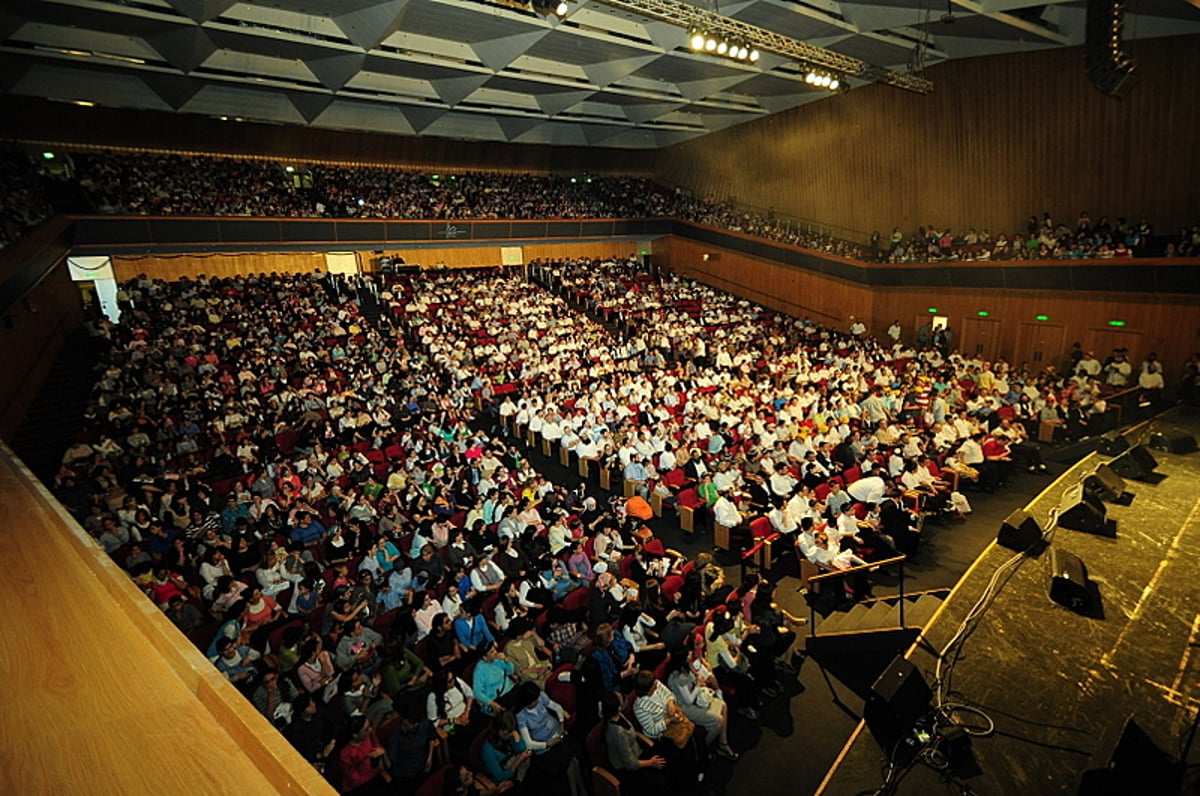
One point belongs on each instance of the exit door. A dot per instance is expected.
(979, 336)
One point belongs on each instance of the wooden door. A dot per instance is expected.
(1041, 344)
(977, 336)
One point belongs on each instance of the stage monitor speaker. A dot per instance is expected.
(899, 698)
(1135, 463)
(1173, 441)
(1131, 763)
(1080, 510)
(1019, 532)
(1112, 444)
(1105, 484)
(1069, 582)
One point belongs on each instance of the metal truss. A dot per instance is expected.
(686, 15)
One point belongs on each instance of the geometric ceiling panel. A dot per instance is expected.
(176, 90)
(184, 48)
(609, 72)
(493, 70)
(873, 50)
(498, 53)
(454, 90)
(557, 103)
(336, 70)
(475, 126)
(249, 103)
(310, 104)
(420, 117)
(375, 117)
(103, 87)
(370, 25)
(516, 126)
(200, 11)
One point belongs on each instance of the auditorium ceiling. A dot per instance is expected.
(496, 71)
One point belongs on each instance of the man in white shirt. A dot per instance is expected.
(725, 511)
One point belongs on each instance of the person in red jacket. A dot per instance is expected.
(363, 759)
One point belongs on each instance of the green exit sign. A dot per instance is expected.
(1116, 323)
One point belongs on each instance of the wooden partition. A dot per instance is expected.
(991, 322)
(173, 267)
(999, 138)
(792, 290)
(31, 338)
(101, 693)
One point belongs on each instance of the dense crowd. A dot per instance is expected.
(315, 499)
(158, 184)
(1042, 239)
(23, 205)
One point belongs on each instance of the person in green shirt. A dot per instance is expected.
(403, 669)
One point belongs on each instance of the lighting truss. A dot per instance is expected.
(688, 16)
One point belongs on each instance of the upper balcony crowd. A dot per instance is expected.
(159, 184)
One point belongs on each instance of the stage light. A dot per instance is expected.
(697, 40)
(742, 53)
(753, 56)
(710, 44)
(722, 48)
(822, 79)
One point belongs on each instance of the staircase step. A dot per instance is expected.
(918, 614)
(834, 621)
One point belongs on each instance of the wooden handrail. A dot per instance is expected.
(837, 573)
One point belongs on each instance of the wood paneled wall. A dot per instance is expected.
(1000, 138)
(30, 339)
(33, 119)
(791, 290)
(173, 267)
(1166, 324)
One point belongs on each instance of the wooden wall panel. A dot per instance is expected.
(1164, 324)
(33, 119)
(173, 267)
(1001, 137)
(791, 290)
(1168, 325)
(33, 342)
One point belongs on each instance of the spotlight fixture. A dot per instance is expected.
(701, 40)
(558, 8)
(821, 79)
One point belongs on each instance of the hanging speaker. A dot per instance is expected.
(1080, 510)
(1112, 444)
(1173, 441)
(1069, 582)
(1019, 532)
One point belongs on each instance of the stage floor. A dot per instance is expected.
(1058, 685)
